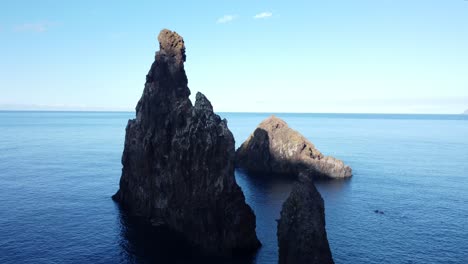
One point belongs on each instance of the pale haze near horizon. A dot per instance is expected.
(245, 56)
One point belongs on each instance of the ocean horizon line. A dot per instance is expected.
(232, 112)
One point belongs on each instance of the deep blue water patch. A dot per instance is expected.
(58, 171)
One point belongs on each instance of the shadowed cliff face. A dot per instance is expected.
(302, 237)
(276, 148)
(178, 161)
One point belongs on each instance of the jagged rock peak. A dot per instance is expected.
(166, 81)
(172, 45)
(302, 237)
(201, 102)
(276, 148)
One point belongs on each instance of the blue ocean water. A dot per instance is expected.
(58, 171)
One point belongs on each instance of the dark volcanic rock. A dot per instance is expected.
(276, 148)
(302, 237)
(178, 161)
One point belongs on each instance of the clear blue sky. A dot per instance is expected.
(377, 56)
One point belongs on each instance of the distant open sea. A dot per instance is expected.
(58, 171)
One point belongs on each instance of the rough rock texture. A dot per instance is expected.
(178, 161)
(276, 148)
(302, 237)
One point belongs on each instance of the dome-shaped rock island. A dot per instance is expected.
(277, 149)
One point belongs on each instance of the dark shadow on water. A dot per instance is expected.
(140, 242)
(265, 178)
(269, 180)
(334, 185)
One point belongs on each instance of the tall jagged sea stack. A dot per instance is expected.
(302, 238)
(178, 161)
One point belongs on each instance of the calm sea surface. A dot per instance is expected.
(58, 171)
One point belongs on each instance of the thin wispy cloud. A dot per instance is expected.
(226, 19)
(263, 15)
(38, 27)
